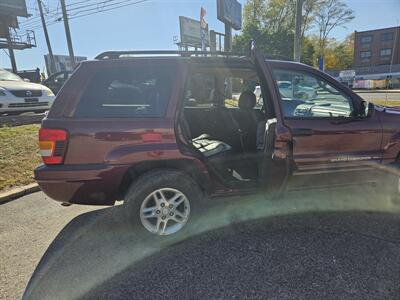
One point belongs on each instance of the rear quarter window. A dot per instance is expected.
(127, 92)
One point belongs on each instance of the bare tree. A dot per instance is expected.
(329, 15)
(309, 8)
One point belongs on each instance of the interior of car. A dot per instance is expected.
(223, 121)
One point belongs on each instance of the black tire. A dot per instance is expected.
(159, 179)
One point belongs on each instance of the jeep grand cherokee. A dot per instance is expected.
(162, 131)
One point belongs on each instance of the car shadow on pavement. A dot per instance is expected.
(99, 254)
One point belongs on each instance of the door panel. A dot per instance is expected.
(328, 135)
(277, 163)
(328, 144)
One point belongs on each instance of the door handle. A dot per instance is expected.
(302, 131)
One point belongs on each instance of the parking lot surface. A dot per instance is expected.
(307, 256)
(332, 245)
(27, 227)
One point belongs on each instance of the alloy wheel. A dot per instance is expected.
(165, 211)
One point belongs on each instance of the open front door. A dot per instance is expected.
(277, 138)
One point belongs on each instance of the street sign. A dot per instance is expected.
(13, 8)
(347, 74)
(62, 62)
(191, 33)
(230, 13)
(5, 23)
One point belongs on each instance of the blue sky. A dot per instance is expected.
(152, 25)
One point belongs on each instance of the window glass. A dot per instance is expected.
(365, 54)
(127, 92)
(387, 36)
(366, 39)
(59, 78)
(8, 76)
(209, 88)
(386, 52)
(306, 95)
(200, 90)
(236, 84)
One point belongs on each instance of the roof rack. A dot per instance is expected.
(125, 54)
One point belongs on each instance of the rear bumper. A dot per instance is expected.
(90, 184)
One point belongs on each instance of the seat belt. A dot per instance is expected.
(239, 131)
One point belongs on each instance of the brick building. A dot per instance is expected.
(377, 47)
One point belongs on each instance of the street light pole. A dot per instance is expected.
(46, 35)
(68, 33)
(297, 34)
(228, 38)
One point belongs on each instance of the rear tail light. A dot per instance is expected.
(52, 144)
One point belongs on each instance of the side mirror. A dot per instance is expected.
(367, 109)
(26, 80)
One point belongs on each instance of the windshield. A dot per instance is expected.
(8, 76)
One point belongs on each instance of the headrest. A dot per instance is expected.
(247, 100)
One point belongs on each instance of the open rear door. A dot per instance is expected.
(277, 150)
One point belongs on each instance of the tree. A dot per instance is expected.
(308, 52)
(329, 15)
(342, 54)
(271, 24)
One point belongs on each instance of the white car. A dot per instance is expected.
(18, 96)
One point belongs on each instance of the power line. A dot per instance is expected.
(57, 17)
(107, 7)
(53, 11)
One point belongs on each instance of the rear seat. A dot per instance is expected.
(207, 145)
(210, 147)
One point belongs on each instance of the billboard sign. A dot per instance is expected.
(347, 74)
(62, 62)
(5, 23)
(191, 33)
(13, 8)
(230, 12)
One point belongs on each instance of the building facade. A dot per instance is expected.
(377, 47)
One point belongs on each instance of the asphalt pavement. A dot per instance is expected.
(331, 245)
(28, 225)
(306, 256)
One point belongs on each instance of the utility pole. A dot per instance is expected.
(228, 38)
(297, 34)
(11, 50)
(46, 35)
(68, 33)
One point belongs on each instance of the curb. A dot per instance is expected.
(18, 192)
(377, 91)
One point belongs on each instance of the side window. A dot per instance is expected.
(200, 90)
(221, 87)
(59, 78)
(305, 95)
(127, 92)
(236, 84)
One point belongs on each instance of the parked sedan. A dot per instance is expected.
(18, 96)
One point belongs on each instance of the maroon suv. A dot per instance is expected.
(160, 132)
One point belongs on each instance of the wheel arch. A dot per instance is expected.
(187, 166)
